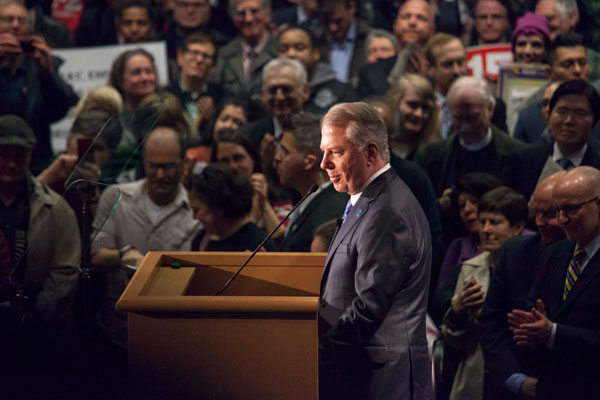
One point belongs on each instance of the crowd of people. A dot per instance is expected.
(214, 160)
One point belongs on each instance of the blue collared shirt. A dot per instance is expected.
(341, 54)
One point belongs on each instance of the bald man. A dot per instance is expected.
(509, 369)
(564, 325)
(153, 214)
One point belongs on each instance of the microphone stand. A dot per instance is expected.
(312, 189)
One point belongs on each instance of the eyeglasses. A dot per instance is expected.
(571, 209)
(548, 213)
(285, 89)
(168, 167)
(197, 53)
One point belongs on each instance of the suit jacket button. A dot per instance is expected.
(322, 303)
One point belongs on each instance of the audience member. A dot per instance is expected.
(461, 222)
(189, 17)
(325, 90)
(133, 74)
(240, 62)
(563, 16)
(381, 44)
(135, 22)
(54, 31)
(323, 236)
(416, 115)
(574, 109)
(196, 58)
(221, 199)
(447, 60)
(233, 114)
(346, 37)
(297, 162)
(269, 205)
(29, 82)
(502, 214)
(474, 146)
(285, 90)
(564, 322)
(153, 214)
(39, 280)
(491, 22)
(531, 40)
(414, 24)
(510, 370)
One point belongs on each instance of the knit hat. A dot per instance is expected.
(15, 131)
(531, 24)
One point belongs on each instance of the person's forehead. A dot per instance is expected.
(546, 7)
(295, 36)
(449, 50)
(135, 12)
(381, 41)
(288, 140)
(565, 52)
(246, 4)
(418, 7)
(529, 38)
(138, 61)
(486, 6)
(573, 101)
(278, 75)
(206, 47)
(466, 99)
(13, 9)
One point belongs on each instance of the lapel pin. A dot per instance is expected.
(358, 213)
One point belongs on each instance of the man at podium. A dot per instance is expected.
(373, 304)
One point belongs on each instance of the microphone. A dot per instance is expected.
(312, 189)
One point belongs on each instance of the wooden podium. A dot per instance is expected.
(257, 340)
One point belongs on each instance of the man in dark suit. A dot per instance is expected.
(564, 325)
(240, 62)
(374, 287)
(297, 162)
(574, 109)
(510, 370)
(531, 124)
(474, 146)
(304, 13)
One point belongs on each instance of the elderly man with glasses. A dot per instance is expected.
(564, 324)
(573, 111)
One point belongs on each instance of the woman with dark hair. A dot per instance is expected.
(133, 74)
(502, 213)
(221, 199)
(464, 199)
(232, 147)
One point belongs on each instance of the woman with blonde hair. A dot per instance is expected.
(416, 115)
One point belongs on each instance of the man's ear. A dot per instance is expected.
(306, 91)
(180, 58)
(310, 160)
(372, 153)
(572, 19)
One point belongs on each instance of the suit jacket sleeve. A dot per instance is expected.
(382, 262)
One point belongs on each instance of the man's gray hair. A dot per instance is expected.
(566, 7)
(471, 83)
(278, 63)
(266, 4)
(363, 125)
(380, 33)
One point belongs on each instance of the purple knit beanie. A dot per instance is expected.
(531, 24)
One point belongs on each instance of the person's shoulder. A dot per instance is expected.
(234, 46)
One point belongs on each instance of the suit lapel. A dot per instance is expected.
(588, 275)
(358, 212)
